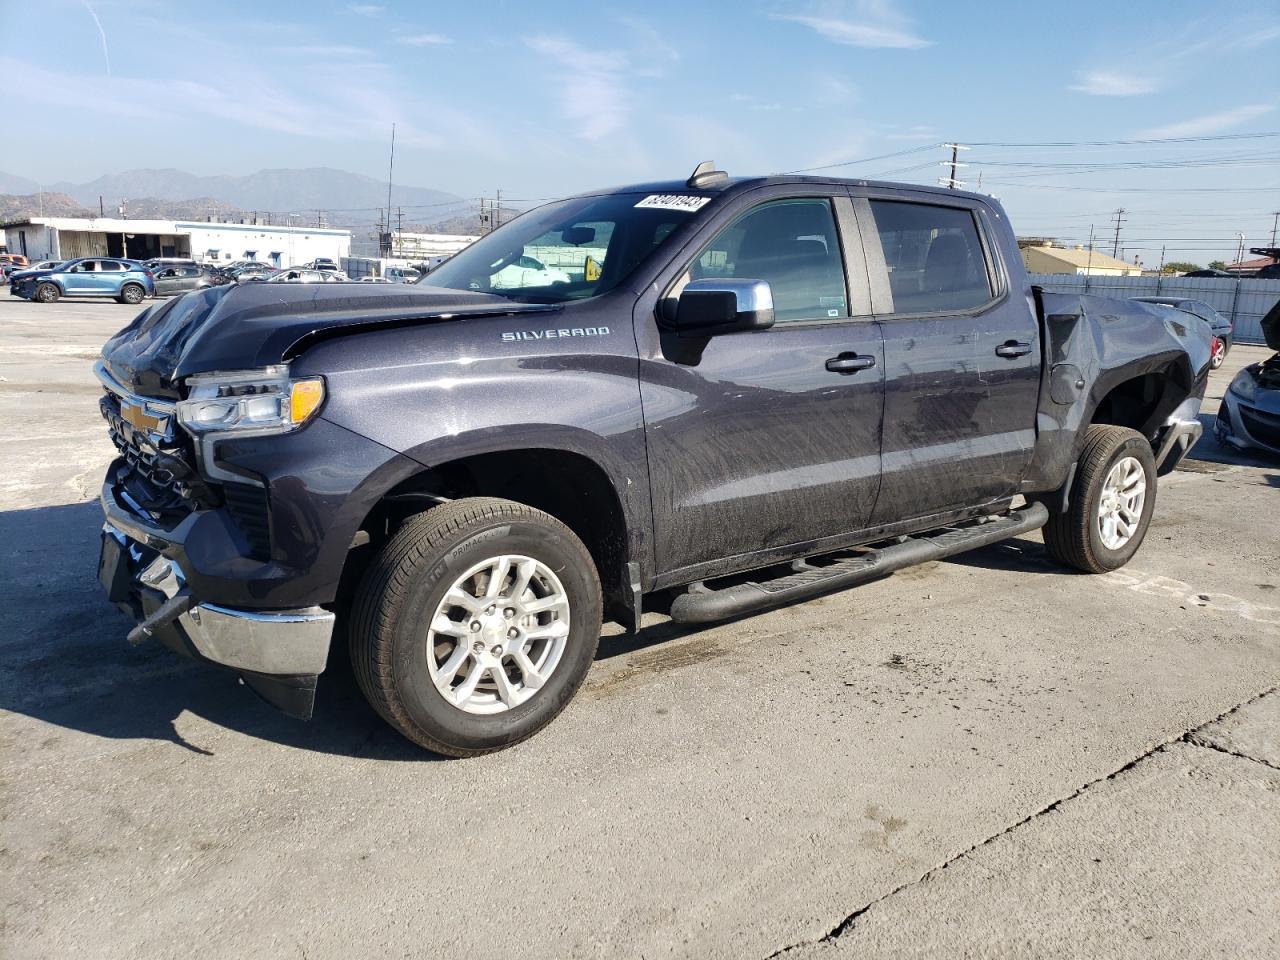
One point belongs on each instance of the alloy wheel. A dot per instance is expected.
(498, 634)
(1120, 506)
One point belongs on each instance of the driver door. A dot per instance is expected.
(767, 442)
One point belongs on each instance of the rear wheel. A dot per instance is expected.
(475, 625)
(1112, 499)
(132, 293)
(1219, 353)
(47, 293)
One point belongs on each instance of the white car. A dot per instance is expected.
(527, 272)
(307, 275)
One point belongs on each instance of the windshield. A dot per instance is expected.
(569, 250)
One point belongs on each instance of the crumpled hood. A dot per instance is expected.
(245, 326)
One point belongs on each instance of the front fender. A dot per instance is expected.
(453, 390)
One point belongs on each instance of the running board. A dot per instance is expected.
(703, 605)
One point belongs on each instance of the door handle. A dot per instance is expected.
(848, 363)
(1013, 348)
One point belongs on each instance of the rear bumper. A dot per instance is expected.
(279, 653)
(1181, 431)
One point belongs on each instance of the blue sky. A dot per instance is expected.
(546, 98)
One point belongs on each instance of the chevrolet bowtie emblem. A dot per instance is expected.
(138, 418)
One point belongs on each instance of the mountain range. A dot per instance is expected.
(348, 199)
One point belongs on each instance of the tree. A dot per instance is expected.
(1180, 266)
(1217, 265)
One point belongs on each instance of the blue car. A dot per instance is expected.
(126, 280)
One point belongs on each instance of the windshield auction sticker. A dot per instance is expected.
(673, 201)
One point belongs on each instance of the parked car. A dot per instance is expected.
(1210, 272)
(16, 259)
(322, 263)
(177, 278)
(308, 275)
(1250, 412)
(1220, 325)
(403, 274)
(126, 280)
(756, 373)
(252, 273)
(526, 271)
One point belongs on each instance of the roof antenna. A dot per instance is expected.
(705, 174)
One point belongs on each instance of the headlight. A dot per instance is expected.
(249, 402)
(1244, 386)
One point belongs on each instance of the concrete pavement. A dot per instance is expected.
(728, 792)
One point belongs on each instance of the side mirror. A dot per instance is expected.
(706, 308)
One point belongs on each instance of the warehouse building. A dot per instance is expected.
(64, 238)
(1046, 258)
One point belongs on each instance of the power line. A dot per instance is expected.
(1124, 143)
(847, 163)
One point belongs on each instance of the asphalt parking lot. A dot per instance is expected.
(988, 756)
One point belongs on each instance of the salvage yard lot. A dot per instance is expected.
(1096, 760)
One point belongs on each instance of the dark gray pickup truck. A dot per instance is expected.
(738, 393)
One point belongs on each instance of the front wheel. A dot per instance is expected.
(475, 625)
(1219, 353)
(132, 294)
(1112, 499)
(47, 293)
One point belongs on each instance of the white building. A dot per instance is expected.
(424, 246)
(63, 238)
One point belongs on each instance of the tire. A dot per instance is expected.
(1219, 354)
(401, 600)
(132, 294)
(47, 293)
(1077, 536)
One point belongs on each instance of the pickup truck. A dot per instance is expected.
(737, 393)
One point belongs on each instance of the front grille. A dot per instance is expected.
(249, 509)
(1264, 427)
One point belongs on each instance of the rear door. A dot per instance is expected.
(763, 440)
(962, 357)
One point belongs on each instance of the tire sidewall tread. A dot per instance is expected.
(400, 590)
(1072, 537)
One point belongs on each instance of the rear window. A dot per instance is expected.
(934, 257)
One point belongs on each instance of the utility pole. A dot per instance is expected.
(390, 172)
(1275, 220)
(951, 182)
(1240, 247)
(1120, 220)
(497, 211)
(102, 212)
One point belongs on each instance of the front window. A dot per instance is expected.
(569, 250)
(793, 245)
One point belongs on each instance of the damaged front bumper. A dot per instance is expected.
(279, 654)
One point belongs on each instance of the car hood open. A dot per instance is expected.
(1271, 327)
(242, 327)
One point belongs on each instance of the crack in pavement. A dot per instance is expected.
(844, 925)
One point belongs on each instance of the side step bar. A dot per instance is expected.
(703, 605)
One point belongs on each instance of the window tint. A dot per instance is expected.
(790, 243)
(933, 255)
(87, 266)
(111, 266)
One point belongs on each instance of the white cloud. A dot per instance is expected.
(1210, 123)
(366, 9)
(862, 23)
(1105, 83)
(592, 91)
(425, 40)
(649, 41)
